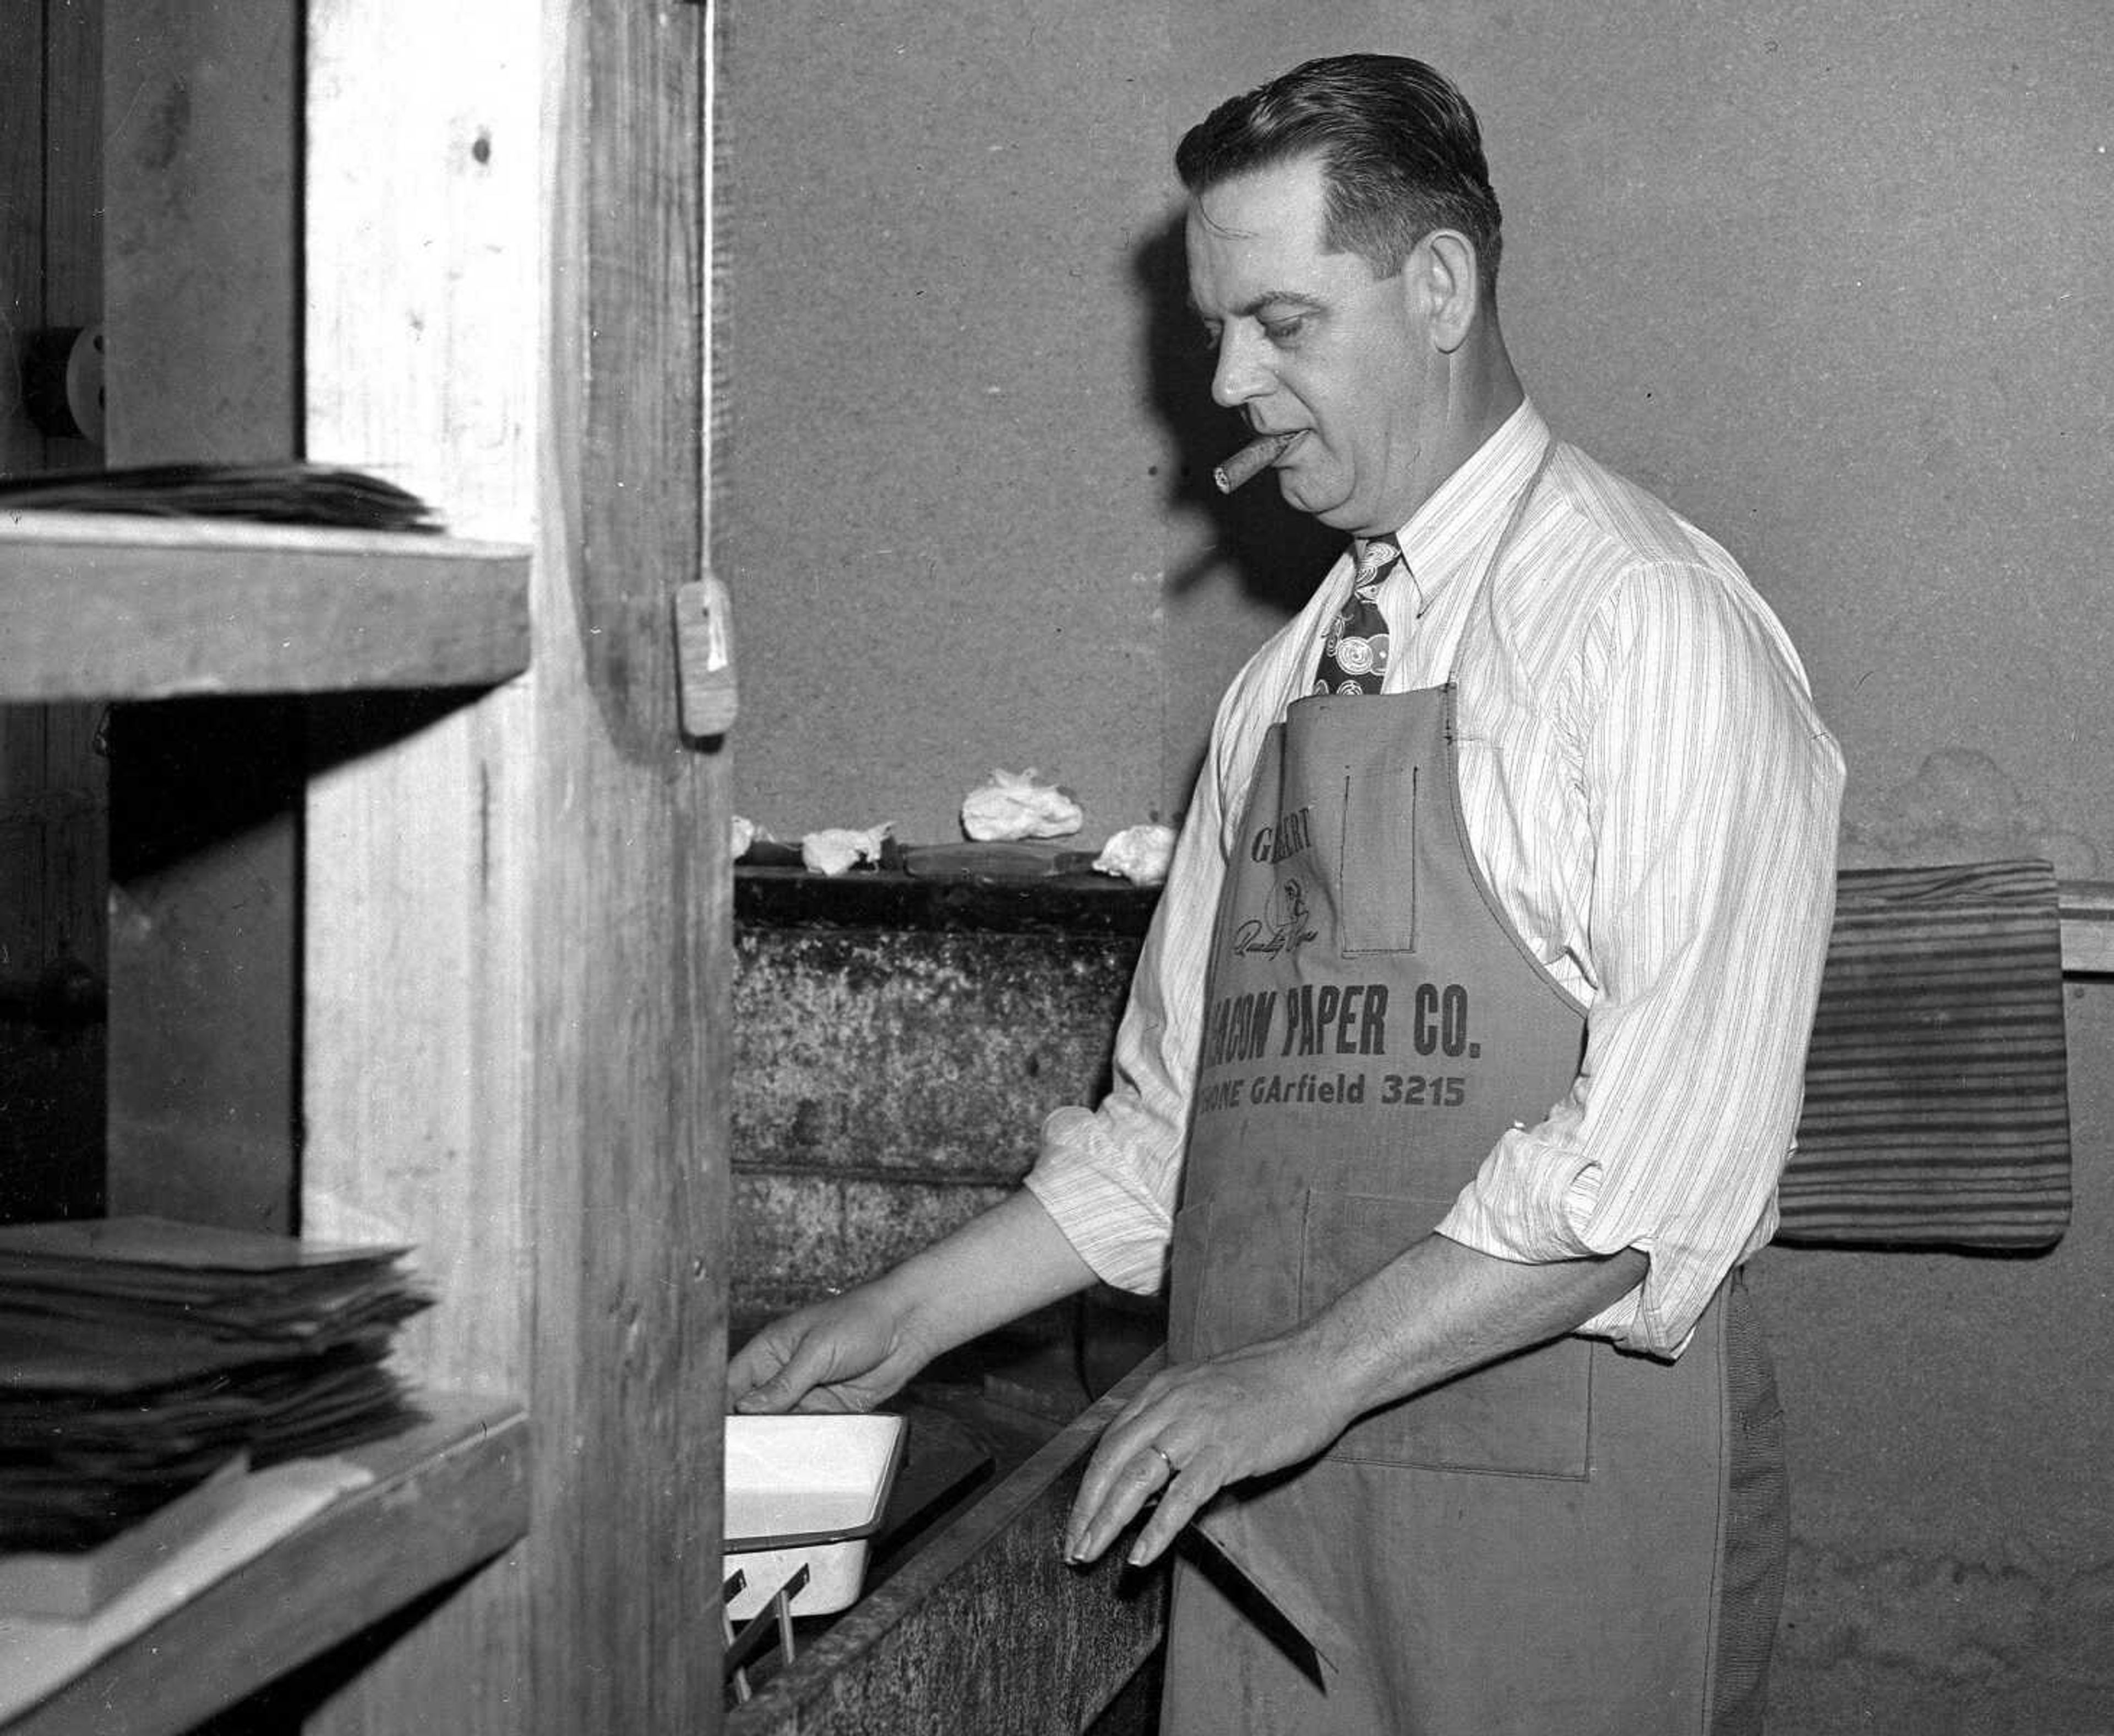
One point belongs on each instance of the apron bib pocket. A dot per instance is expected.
(1376, 804)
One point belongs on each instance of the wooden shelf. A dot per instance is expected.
(448, 1494)
(1083, 903)
(2087, 908)
(99, 605)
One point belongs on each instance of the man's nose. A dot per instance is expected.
(1239, 373)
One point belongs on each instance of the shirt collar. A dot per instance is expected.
(1451, 530)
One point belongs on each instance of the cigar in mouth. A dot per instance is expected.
(1251, 460)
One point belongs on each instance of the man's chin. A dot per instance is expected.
(1334, 511)
(1311, 494)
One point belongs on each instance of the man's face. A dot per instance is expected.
(1308, 338)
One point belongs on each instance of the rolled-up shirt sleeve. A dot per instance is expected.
(1706, 800)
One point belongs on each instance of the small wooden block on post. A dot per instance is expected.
(704, 657)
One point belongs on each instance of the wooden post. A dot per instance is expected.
(518, 922)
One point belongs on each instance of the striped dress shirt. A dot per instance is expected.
(1648, 789)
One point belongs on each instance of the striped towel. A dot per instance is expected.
(1937, 1101)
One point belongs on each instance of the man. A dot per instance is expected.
(1469, 1034)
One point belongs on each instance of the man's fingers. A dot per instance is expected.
(1145, 1472)
(1178, 1504)
(1184, 1497)
(1189, 1433)
(1112, 1454)
(1140, 1455)
(767, 1398)
(1119, 1489)
(798, 1373)
(754, 1369)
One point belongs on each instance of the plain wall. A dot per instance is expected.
(1833, 279)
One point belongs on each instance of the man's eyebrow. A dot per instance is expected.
(1252, 307)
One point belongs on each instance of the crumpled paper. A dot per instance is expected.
(836, 848)
(1013, 806)
(745, 833)
(1140, 854)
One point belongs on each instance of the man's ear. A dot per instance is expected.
(1440, 276)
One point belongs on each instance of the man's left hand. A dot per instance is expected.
(1435, 1311)
(1197, 1428)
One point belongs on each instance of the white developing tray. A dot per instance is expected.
(805, 1491)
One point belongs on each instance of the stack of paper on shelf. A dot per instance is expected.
(140, 1357)
(286, 493)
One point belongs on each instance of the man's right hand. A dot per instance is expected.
(846, 1353)
(851, 1352)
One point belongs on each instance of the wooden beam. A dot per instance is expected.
(2087, 911)
(987, 1628)
(518, 917)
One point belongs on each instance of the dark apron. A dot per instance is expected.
(1537, 1546)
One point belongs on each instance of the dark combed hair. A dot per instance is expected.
(1400, 149)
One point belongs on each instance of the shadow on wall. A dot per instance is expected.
(1273, 553)
(1960, 807)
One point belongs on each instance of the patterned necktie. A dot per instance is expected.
(1355, 658)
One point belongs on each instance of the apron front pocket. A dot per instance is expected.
(1529, 1414)
(1235, 1276)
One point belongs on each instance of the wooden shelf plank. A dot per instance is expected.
(97, 605)
(448, 1494)
(2087, 910)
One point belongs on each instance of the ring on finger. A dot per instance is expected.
(1173, 1468)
